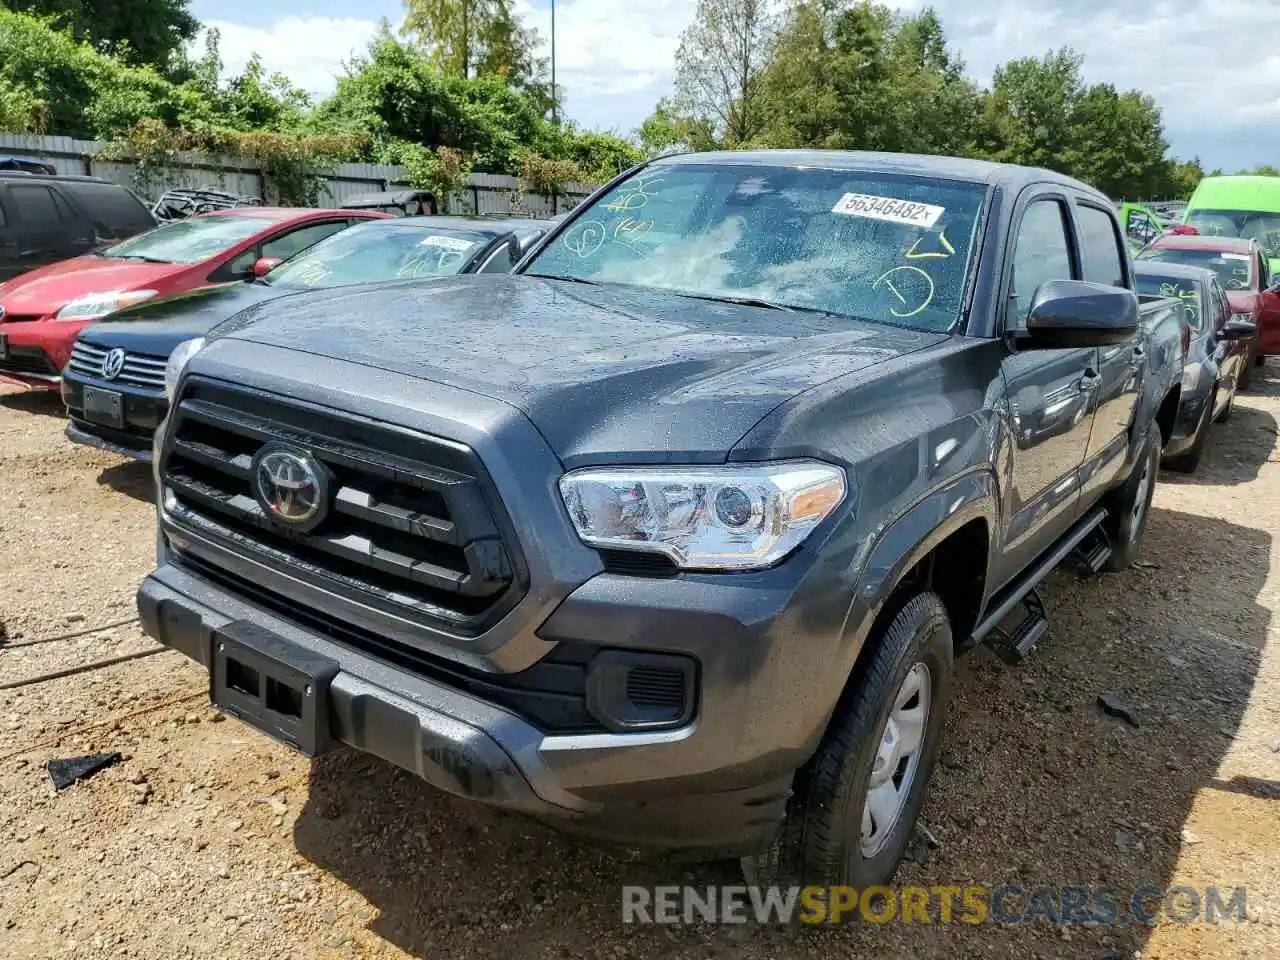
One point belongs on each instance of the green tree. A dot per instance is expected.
(666, 129)
(478, 38)
(721, 59)
(1026, 117)
(153, 31)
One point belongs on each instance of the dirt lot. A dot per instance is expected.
(210, 841)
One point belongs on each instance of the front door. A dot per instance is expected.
(1051, 397)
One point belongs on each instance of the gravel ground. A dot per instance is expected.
(208, 840)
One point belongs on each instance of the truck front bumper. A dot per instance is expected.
(687, 790)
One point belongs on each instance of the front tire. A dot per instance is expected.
(1130, 505)
(857, 799)
(1252, 359)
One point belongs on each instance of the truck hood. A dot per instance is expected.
(157, 326)
(47, 289)
(604, 372)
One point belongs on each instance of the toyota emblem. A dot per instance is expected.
(112, 364)
(291, 486)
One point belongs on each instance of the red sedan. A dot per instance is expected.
(43, 310)
(1244, 273)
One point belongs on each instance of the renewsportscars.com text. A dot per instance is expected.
(973, 904)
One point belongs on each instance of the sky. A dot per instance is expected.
(1211, 66)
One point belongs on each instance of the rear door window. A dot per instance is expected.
(298, 240)
(1102, 249)
(34, 204)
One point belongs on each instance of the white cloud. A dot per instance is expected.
(310, 51)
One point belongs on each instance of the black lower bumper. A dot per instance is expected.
(117, 441)
(459, 743)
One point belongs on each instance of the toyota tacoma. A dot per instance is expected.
(672, 536)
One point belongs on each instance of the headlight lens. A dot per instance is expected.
(95, 305)
(1246, 317)
(178, 361)
(733, 517)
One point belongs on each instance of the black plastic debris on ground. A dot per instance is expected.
(1113, 706)
(64, 773)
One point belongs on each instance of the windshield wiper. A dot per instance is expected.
(743, 301)
(136, 256)
(554, 276)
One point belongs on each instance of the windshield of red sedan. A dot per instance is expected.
(412, 249)
(882, 247)
(188, 241)
(1234, 270)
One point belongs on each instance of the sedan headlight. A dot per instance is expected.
(94, 305)
(178, 361)
(733, 517)
(1246, 317)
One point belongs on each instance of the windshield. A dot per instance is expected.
(886, 248)
(188, 241)
(373, 252)
(1182, 289)
(1250, 224)
(1234, 270)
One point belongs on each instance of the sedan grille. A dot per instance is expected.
(407, 524)
(139, 369)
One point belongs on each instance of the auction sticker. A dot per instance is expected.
(1237, 256)
(449, 243)
(888, 209)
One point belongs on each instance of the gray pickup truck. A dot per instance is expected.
(672, 537)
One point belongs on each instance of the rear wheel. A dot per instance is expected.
(1130, 505)
(857, 800)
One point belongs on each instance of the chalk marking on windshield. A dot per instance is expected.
(633, 196)
(888, 209)
(587, 240)
(916, 254)
(893, 288)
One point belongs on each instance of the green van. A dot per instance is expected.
(1245, 206)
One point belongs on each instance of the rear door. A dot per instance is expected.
(41, 234)
(1051, 392)
(1119, 366)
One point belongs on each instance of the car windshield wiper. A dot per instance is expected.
(135, 256)
(556, 276)
(743, 301)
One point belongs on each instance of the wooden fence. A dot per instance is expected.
(484, 192)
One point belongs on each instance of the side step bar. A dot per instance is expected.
(1019, 590)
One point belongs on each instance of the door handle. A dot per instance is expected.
(1089, 381)
(1139, 351)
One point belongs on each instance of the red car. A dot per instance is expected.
(1242, 269)
(43, 310)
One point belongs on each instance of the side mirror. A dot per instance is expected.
(1077, 313)
(1238, 330)
(265, 265)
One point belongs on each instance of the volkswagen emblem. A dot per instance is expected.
(290, 486)
(112, 364)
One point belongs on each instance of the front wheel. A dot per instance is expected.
(1130, 505)
(857, 799)
(1189, 461)
(1251, 359)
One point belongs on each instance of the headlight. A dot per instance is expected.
(733, 517)
(1246, 317)
(94, 305)
(178, 361)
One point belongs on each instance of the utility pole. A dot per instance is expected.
(555, 97)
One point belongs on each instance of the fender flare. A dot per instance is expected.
(903, 543)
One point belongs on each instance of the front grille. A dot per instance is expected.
(28, 360)
(139, 370)
(409, 526)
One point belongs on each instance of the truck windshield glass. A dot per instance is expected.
(378, 251)
(188, 241)
(1234, 270)
(886, 248)
(1251, 224)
